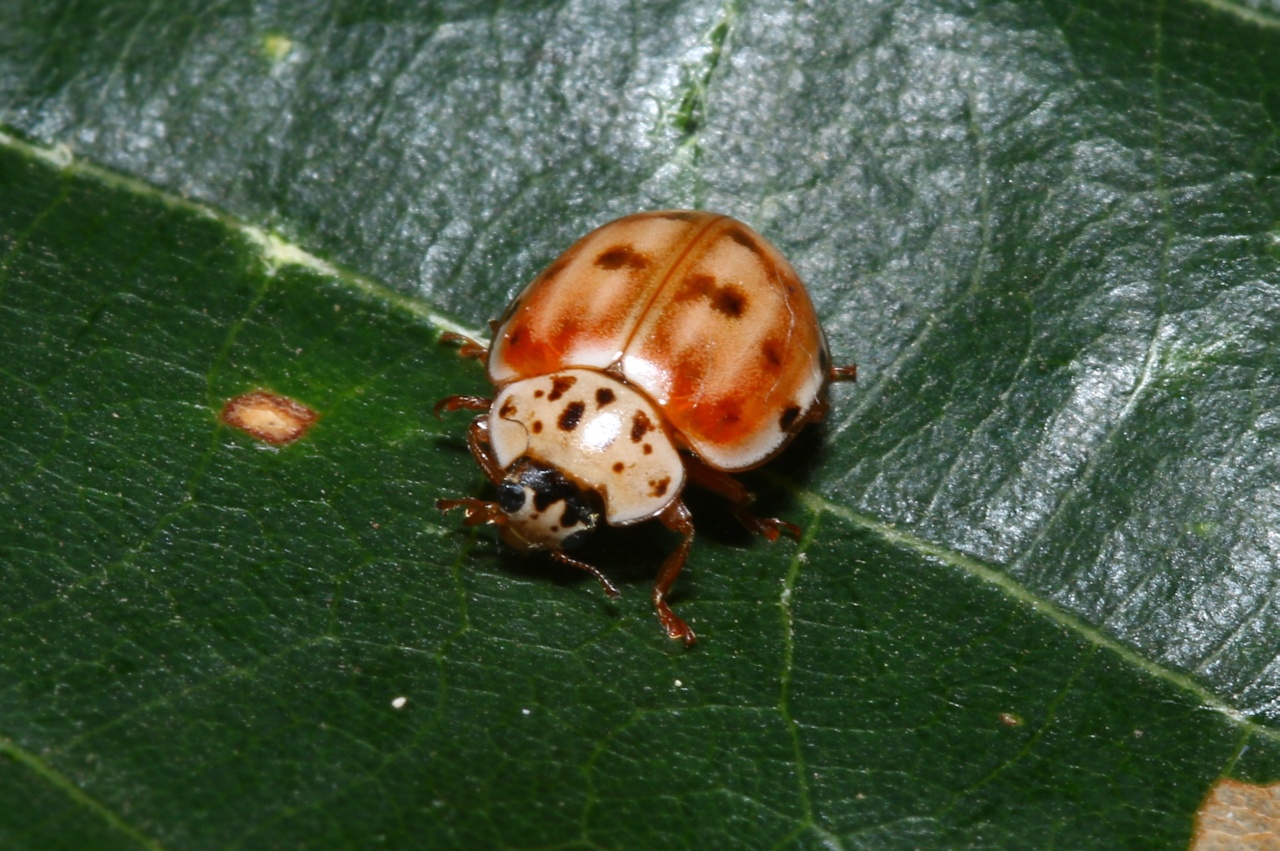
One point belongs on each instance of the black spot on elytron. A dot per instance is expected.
(788, 418)
(507, 410)
(681, 215)
(571, 416)
(537, 426)
(560, 385)
(729, 300)
(621, 255)
(740, 236)
(640, 426)
(603, 397)
(510, 497)
(538, 394)
(619, 467)
(659, 488)
(774, 353)
(554, 528)
(648, 450)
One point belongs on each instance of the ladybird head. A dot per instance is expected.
(544, 509)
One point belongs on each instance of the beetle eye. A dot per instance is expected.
(510, 497)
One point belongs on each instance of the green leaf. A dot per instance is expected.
(1035, 601)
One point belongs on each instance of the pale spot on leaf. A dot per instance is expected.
(278, 420)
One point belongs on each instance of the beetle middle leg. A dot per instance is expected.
(677, 518)
(469, 348)
(740, 499)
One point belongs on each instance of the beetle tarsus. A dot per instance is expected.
(461, 403)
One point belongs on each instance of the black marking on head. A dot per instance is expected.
(571, 416)
(648, 450)
(580, 506)
(510, 497)
(659, 487)
(508, 409)
(560, 385)
(640, 426)
(603, 397)
(621, 255)
(788, 418)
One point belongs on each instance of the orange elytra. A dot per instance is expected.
(661, 348)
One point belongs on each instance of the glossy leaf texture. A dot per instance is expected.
(1035, 604)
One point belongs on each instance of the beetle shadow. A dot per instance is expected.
(631, 556)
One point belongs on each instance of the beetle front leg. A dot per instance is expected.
(740, 499)
(478, 511)
(462, 403)
(474, 511)
(677, 518)
(609, 589)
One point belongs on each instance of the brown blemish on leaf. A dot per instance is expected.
(271, 418)
(1010, 719)
(1238, 815)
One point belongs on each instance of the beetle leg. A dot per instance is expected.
(843, 373)
(677, 518)
(475, 511)
(462, 403)
(739, 499)
(478, 442)
(469, 348)
(609, 590)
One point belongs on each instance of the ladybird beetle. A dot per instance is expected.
(662, 348)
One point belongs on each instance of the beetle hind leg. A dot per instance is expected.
(740, 499)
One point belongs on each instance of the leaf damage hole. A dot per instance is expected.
(269, 417)
(1238, 815)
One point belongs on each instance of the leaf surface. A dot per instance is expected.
(1035, 600)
